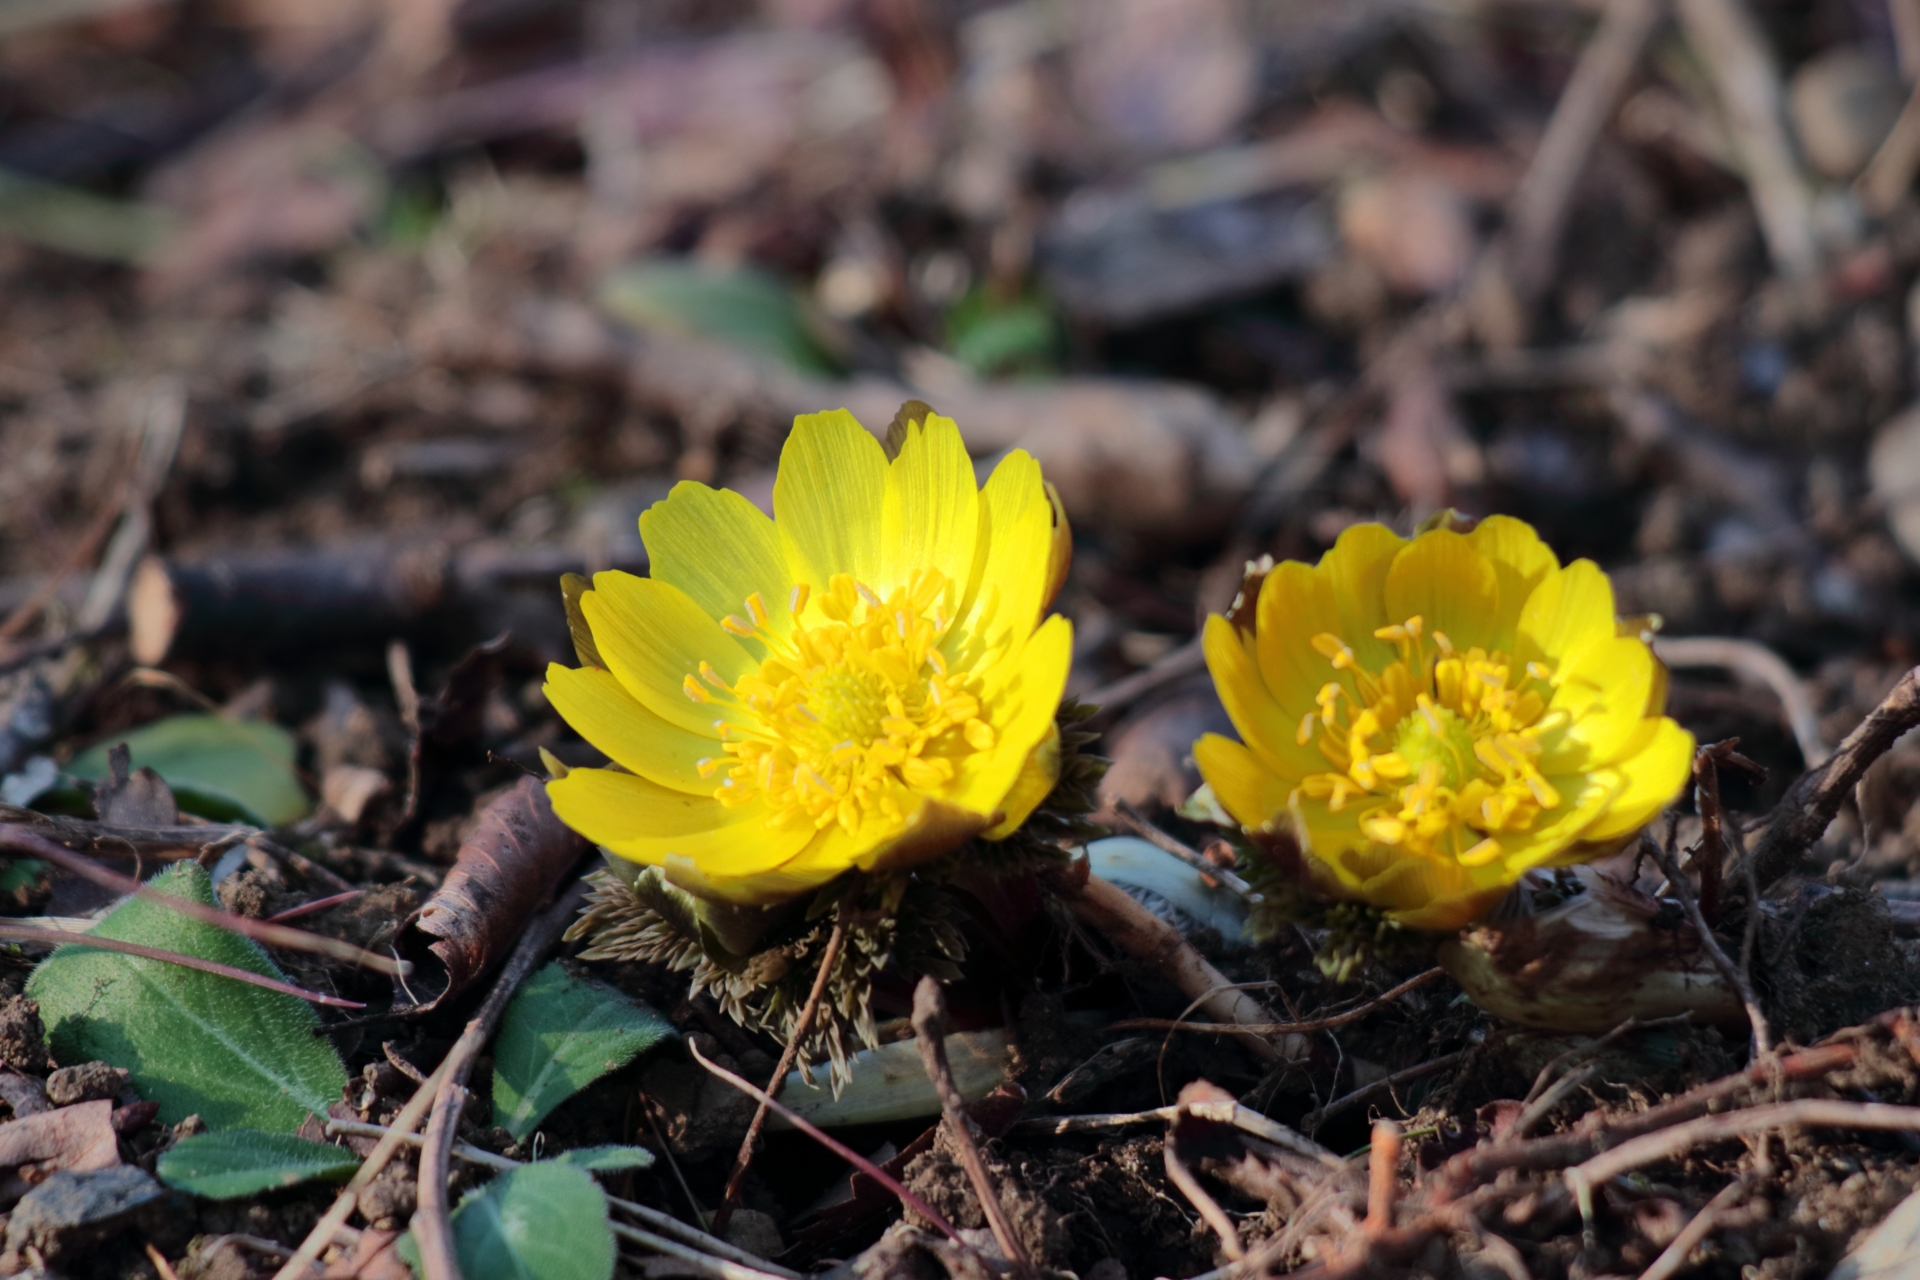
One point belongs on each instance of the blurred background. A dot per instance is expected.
(331, 333)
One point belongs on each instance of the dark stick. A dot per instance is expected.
(1712, 860)
(1683, 890)
(1137, 822)
(21, 840)
(60, 938)
(741, 1162)
(930, 1033)
(1810, 804)
(437, 1258)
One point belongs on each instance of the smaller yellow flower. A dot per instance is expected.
(1434, 717)
(865, 681)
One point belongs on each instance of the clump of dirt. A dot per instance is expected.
(256, 893)
(23, 1038)
(369, 920)
(939, 1178)
(1112, 1202)
(1829, 958)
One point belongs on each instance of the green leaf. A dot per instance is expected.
(606, 1159)
(245, 1162)
(238, 1055)
(545, 1221)
(559, 1035)
(740, 306)
(992, 337)
(223, 769)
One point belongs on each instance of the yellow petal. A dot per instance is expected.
(1267, 730)
(653, 636)
(1654, 776)
(1022, 712)
(1253, 794)
(718, 548)
(648, 823)
(1296, 604)
(1603, 687)
(929, 827)
(1440, 578)
(1584, 798)
(1035, 782)
(1356, 568)
(826, 499)
(929, 510)
(1444, 915)
(1060, 555)
(1520, 561)
(1007, 595)
(1568, 611)
(601, 710)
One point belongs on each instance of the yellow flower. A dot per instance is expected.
(1432, 718)
(864, 681)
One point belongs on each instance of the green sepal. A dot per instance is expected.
(572, 587)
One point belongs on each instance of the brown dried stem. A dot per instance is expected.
(930, 1032)
(1735, 977)
(744, 1160)
(437, 1258)
(1284, 1028)
(1137, 822)
(24, 841)
(1383, 1175)
(1810, 804)
(1209, 1208)
(61, 938)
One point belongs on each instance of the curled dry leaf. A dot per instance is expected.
(509, 865)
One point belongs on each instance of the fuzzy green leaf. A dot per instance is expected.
(238, 1055)
(245, 1162)
(218, 768)
(743, 307)
(545, 1221)
(559, 1035)
(609, 1159)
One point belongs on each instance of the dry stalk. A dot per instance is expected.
(60, 938)
(930, 1032)
(1378, 1002)
(743, 1161)
(1735, 977)
(1136, 822)
(1209, 1208)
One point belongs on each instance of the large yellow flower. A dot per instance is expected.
(864, 681)
(1433, 717)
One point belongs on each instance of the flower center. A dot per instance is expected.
(845, 713)
(1464, 735)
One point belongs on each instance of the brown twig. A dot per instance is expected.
(25, 841)
(60, 938)
(432, 1230)
(1176, 664)
(438, 1261)
(1751, 658)
(1137, 822)
(1383, 1175)
(1108, 909)
(1239, 1117)
(1735, 977)
(317, 905)
(1586, 104)
(1314, 1119)
(1282, 1028)
(1674, 1256)
(1712, 856)
(930, 1032)
(1726, 38)
(1669, 1143)
(1810, 804)
(1209, 1208)
(533, 944)
(741, 1162)
(1582, 1052)
(834, 1145)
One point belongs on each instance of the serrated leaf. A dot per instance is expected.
(545, 1221)
(560, 1034)
(239, 1056)
(223, 769)
(609, 1159)
(244, 1162)
(740, 306)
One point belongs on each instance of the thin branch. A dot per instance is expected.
(741, 1162)
(432, 1230)
(1666, 1144)
(544, 932)
(1209, 1208)
(317, 905)
(719, 1268)
(1683, 889)
(1239, 1117)
(1137, 823)
(930, 1031)
(1314, 1119)
(1674, 1257)
(688, 1234)
(1383, 1175)
(1177, 664)
(1803, 813)
(61, 938)
(834, 1145)
(1582, 1052)
(24, 841)
(1751, 658)
(1282, 1028)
